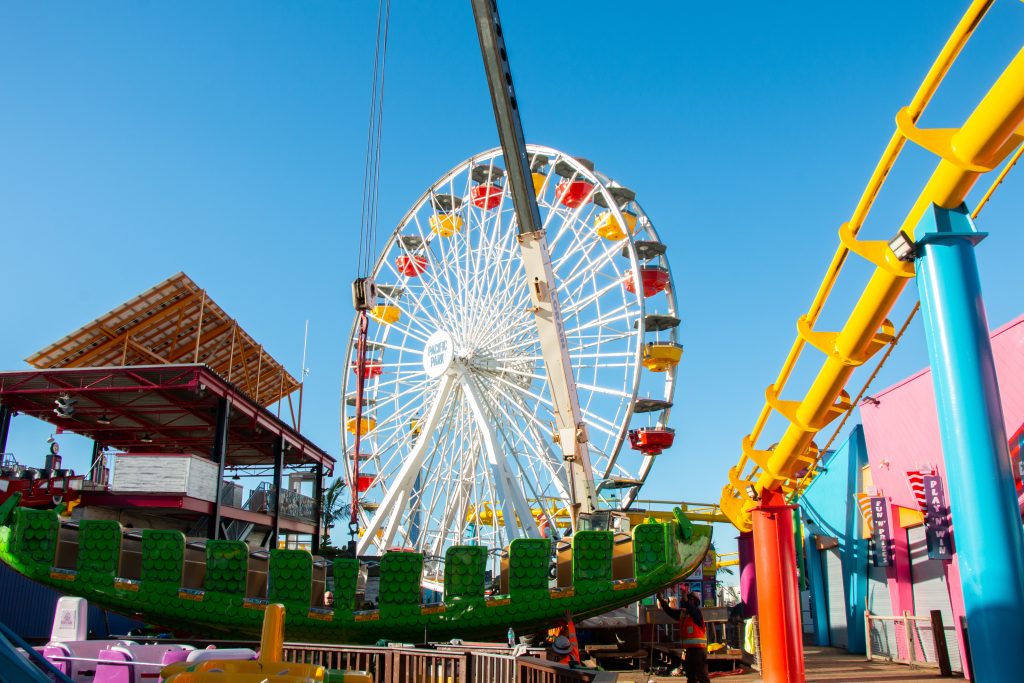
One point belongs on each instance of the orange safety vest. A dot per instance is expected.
(568, 629)
(692, 634)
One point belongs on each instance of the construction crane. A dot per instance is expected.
(570, 430)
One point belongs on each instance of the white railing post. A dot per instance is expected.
(867, 634)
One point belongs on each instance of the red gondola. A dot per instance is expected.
(651, 441)
(364, 482)
(486, 196)
(573, 193)
(654, 280)
(372, 368)
(411, 265)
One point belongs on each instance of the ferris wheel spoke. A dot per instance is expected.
(395, 499)
(505, 483)
(543, 454)
(577, 306)
(589, 266)
(454, 519)
(442, 294)
(604, 390)
(602, 322)
(598, 340)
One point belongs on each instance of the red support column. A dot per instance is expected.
(778, 598)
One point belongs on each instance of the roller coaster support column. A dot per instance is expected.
(748, 573)
(989, 540)
(778, 600)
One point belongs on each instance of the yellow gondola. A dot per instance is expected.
(386, 315)
(446, 224)
(661, 356)
(538, 182)
(607, 225)
(367, 424)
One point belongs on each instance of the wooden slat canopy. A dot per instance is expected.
(174, 322)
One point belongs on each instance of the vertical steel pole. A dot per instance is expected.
(220, 454)
(5, 426)
(278, 471)
(989, 540)
(778, 600)
(318, 506)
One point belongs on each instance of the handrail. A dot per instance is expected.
(985, 139)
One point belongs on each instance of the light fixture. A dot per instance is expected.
(902, 246)
(103, 419)
(236, 477)
(872, 400)
(146, 438)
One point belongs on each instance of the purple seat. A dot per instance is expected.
(147, 661)
(60, 651)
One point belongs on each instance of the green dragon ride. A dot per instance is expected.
(226, 587)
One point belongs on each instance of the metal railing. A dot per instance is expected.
(441, 664)
(911, 640)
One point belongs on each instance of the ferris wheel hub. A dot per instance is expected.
(438, 354)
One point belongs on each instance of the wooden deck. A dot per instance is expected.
(823, 664)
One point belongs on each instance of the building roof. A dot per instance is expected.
(157, 409)
(174, 322)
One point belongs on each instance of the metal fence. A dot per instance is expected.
(443, 664)
(912, 640)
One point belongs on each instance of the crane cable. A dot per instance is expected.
(368, 239)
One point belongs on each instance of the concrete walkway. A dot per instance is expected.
(823, 664)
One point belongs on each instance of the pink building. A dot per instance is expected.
(902, 435)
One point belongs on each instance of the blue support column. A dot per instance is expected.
(819, 594)
(987, 525)
(855, 546)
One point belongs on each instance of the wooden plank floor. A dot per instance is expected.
(822, 664)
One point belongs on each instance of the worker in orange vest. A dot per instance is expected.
(564, 643)
(694, 637)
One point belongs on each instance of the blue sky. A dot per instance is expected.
(226, 140)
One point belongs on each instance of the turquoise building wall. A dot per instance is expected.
(828, 508)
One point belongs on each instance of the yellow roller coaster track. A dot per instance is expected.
(982, 143)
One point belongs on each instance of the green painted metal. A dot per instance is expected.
(29, 538)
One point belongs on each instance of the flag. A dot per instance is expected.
(864, 504)
(916, 481)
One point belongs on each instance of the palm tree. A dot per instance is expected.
(334, 507)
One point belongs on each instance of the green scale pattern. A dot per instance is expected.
(529, 559)
(649, 546)
(37, 537)
(163, 554)
(346, 578)
(99, 542)
(226, 564)
(464, 567)
(291, 575)
(399, 602)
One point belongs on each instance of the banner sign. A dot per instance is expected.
(881, 535)
(936, 520)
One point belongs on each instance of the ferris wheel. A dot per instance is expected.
(456, 430)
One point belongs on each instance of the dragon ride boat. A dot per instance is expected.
(220, 588)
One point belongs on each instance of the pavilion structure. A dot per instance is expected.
(175, 394)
